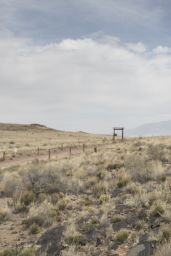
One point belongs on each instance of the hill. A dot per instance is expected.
(30, 136)
(22, 127)
(152, 129)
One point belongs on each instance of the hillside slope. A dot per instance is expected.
(151, 129)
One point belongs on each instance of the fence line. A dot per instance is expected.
(71, 149)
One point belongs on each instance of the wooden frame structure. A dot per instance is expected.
(115, 134)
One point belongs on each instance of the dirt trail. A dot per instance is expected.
(20, 161)
(13, 234)
(24, 160)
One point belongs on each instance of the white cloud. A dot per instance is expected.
(138, 47)
(162, 50)
(83, 84)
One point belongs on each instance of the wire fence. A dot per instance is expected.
(66, 150)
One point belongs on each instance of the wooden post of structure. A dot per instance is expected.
(122, 133)
(118, 129)
(49, 154)
(114, 134)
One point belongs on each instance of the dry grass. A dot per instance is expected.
(105, 201)
(165, 250)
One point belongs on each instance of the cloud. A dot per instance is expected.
(162, 50)
(83, 84)
(46, 21)
(138, 47)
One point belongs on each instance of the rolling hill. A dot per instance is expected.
(151, 129)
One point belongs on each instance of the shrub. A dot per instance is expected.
(156, 152)
(9, 252)
(11, 184)
(62, 204)
(33, 220)
(104, 198)
(123, 179)
(18, 252)
(141, 224)
(4, 215)
(89, 225)
(158, 209)
(34, 229)
(143, 170)
(27, 198)
(75, 240)
(49, 179)
(121, 236)
(99, 189)
(165, 236)
(86, 201)
(40, 180)
(117, 218)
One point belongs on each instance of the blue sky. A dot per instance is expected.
(46, 21)
(85, 64)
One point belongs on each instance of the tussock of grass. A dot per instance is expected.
(123, 179)
(121, 236)
(4, 215)
(117, 218)
(18, 252)
(158, 209)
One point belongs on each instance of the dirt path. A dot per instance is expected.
(24, 160)
(20, 161)
(12, 233)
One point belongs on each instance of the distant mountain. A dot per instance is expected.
(22, 127)
(151, 129)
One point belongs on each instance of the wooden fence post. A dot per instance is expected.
(49, 154)
(83, 147)
(3, 158)
(38, 151)
(70, 151)
(95, 149)
(62, 147)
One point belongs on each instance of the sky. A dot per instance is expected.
(85, 65)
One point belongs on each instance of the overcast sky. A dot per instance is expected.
(85, 64)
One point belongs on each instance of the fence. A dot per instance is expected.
(66, 150)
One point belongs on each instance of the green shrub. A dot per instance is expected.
(9, 252)
(34, 229)
(122, 182)
(117, 218)
(121, 236)
(18, 252)
(74, 240)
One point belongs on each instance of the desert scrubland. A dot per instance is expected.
(116, 201)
